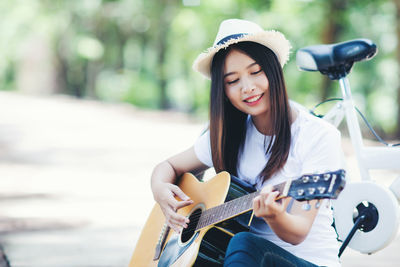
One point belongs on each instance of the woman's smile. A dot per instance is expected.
(253, 100)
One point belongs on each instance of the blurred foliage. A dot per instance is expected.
(141, 51)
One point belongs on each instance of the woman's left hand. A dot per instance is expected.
(265, 206)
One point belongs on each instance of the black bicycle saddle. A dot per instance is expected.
(335, 60)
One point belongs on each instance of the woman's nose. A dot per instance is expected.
(247, 85)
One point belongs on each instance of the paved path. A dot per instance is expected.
(74, 187)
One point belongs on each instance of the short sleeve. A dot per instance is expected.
(323, 152)
(202, 149)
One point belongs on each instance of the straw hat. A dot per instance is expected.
(232, 31)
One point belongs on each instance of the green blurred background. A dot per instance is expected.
(141, 51)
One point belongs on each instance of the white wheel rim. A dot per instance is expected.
(388, 211)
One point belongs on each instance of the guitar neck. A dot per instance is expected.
(307, 187)
(235, 207)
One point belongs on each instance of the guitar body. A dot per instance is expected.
(205, 195)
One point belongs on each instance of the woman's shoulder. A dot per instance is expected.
(311, 125)
(310, 131)
(316, 143)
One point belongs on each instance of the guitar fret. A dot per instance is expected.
(228, 209)
(242, 206)
(231, 209)
(214, 217)
(219, 213)
(281, 187)
(205, 218)
(238, 205)
(201, 221)
(249, 201)
(209, 217)
(225, 211)
(233, 205)
(252, 197)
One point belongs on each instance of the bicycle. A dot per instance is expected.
(366, 214)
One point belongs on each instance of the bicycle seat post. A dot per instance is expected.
(353, 125)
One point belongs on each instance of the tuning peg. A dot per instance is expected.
(318, 204)
(305, 179)
(306, 206)
(321, 189)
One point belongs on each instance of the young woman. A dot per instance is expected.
(258, 136)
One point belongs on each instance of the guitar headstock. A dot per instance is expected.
(318, 186)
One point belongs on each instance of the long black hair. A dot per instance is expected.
(228, 124)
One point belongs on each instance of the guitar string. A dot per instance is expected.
(192, 225)
(194, 222)
(278, 187)
(196, 218)
(226, 204)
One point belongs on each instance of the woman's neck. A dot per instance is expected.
(263, 122)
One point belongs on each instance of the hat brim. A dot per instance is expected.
(274, 40)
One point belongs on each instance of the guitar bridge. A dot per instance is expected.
(161, 242)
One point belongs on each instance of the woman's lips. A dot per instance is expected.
(253, 100)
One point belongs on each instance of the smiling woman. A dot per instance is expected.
(258, 136)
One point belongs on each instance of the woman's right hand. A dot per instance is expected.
(165, 194)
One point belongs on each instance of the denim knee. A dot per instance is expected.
(241, 250)
(248, 249)
(250, 241)
(241, 238)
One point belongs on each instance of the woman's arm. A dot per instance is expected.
(321, 152)
(291, 227)
(164, 190)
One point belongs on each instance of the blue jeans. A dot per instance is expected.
(247, 249)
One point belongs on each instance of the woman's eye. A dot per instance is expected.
(256, 72)
(232, 82)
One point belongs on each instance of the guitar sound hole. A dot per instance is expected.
(189, 231)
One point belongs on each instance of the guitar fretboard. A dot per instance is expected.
(231, 208)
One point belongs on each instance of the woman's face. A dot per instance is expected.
(246, 84)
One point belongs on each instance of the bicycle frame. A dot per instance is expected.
(371, 157)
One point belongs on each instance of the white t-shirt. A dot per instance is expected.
(315, 148)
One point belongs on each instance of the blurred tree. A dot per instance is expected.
(335, 19)
(141, 51)
(164, 11)
(374, 82)
(397, 4)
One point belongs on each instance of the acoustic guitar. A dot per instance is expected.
(222, 207)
